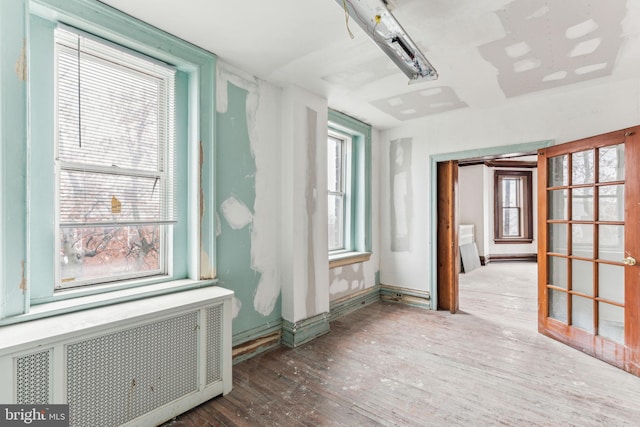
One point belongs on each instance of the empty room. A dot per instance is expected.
(320, 212)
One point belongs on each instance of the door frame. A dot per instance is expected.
(490, 152)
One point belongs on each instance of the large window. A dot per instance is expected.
(513, 222)
(349, 189)
(115, 157)
(112, 162)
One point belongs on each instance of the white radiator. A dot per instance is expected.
(135, 363)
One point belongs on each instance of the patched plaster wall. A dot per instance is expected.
(248, 172)
(560, 116)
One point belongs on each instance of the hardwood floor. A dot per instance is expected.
(390, 364)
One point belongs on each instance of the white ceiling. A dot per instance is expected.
(485, 52)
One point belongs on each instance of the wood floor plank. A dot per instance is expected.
(389, 364)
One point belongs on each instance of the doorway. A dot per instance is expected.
(445, 215)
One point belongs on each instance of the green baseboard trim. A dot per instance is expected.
(350, 303)
(406, 296)
(297, 333)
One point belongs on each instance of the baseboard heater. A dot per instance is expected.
(137, 363)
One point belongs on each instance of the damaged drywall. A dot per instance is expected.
(346, 280)
(401, 198)
(556, 44)
(246, 170)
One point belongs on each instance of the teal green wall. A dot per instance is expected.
(236, 169)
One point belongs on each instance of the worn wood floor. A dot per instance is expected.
(390, 364)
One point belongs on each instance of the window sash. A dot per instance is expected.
(339, 192)
(121, 183)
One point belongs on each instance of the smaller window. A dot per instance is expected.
(349, 190)
(339, 191)
(513, 219)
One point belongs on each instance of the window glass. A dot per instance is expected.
(336, 171)
(513, 216)
(115, 142)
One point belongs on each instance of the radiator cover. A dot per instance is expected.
(135, 363)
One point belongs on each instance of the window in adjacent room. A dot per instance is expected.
(513, 219)
(349, 189)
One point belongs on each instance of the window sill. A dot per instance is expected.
(346, 258)
(104, 299)
(512, 241)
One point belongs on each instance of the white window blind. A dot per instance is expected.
(115, 121)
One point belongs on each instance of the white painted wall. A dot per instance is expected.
(585, 111)
(472, 200)
(297, 258)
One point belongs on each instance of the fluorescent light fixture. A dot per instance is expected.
(376, 20)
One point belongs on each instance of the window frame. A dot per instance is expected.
(358, 183)
(197, 230)
(525, 206)
(167, 172)
(345, 190)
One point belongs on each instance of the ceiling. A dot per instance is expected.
(486, 52)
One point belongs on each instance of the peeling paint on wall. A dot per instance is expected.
(236, 307)
(23, 280)
(401, 194)
(207, 271)
(345, 280)
(21, 63)
(236, 213)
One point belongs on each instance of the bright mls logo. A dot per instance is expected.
(34, 415)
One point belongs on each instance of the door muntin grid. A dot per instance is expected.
(585, 240)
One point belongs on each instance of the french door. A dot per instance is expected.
(589, 214)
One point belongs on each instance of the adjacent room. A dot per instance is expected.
(329, 212)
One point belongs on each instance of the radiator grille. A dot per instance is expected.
(118, 377)
(32, 373)
(214, 343)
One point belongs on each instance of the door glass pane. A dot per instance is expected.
(557, 204)
(557, 167)
(611, 242)
(557, 238)
(558, 305)
(611, 163)
(582, 203)
(582, 240)
(611, 203)
(611, 322)
(582, 313)
(582, 167)
(557, 274)
(582, 276)
(611, 282)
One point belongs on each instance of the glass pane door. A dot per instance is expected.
(588, 236)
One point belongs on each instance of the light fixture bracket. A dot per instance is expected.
(375, 18)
